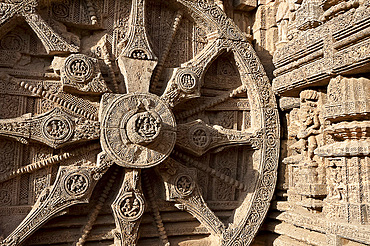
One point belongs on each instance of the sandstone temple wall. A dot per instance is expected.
(320, 55)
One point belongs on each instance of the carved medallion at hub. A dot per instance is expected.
(138, 129)
(142, 123)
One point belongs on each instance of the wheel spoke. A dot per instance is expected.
(137, 60)
(94, 214)
(38, 91)
(35, 166)
(141, 126)
(162, 60)
(212, 102)
(51, 40)
(55, 128)
(181, 187)
(73, 185)
(128, 208)
(197, 137)
(186, 80)
(155, 210)
(214, 173)
(41, 28)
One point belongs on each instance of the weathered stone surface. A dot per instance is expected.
(324, 62)
(153, 122)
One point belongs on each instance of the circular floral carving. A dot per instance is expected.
(265, 193)
(139, 54)
(184, 185)
(57, 128)
(260, 206)
(268, 179)
(12, 42)
(60, 10)
(271, 139)
(78, 68)
(187, 81)
(233, 33)
(254, 217)
(270, 163)
(76, 184)
(199, 137)
(5, 197)
(131, 206)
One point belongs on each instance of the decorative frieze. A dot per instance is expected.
(334, 47)
(306, 172)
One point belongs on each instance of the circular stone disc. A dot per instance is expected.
(138, 130)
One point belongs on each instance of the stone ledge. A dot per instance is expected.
(296, 233)
(317, 222)
(350, 24)
(338, 47)
(318, 72)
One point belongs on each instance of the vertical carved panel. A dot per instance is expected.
(347, 184)
(307, 172)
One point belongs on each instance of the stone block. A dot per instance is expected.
(245, 5)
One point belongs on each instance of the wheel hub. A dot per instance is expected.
(138, 129)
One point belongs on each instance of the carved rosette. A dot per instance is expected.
(199, 137)
(184, 185)
(81, 74)
(76, 184)
(130, 206)
(78, 68)
(57, 128)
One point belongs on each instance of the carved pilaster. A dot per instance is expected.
(347, 155)
(306, 181)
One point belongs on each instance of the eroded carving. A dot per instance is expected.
(57, 128)
(325, 54)
(128, 208)
(138, 131)
(82, 74)
(131, 206)
(306, 169)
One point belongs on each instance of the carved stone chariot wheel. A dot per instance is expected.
(182, 108)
